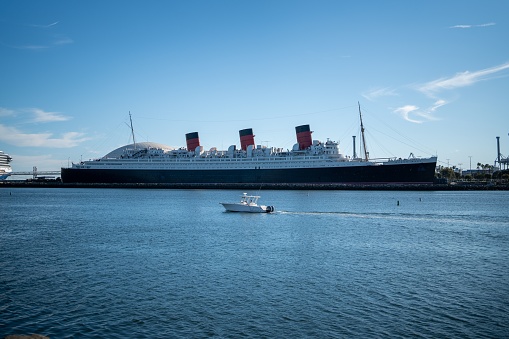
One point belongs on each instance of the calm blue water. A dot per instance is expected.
(328, 264)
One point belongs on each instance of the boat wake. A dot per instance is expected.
(437, 219)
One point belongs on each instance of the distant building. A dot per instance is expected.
(477, 171)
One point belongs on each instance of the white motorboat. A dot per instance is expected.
(248, 203)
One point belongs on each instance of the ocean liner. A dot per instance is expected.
(5, 168)
(309, 162)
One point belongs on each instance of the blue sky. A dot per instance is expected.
(432, 77)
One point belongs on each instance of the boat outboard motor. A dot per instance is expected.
(269, 209)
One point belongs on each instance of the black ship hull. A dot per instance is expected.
(414, 173)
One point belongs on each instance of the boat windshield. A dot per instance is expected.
(249, 199)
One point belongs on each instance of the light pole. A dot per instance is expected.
(470, 163)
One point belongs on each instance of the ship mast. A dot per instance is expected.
(362, 134)
(132, 129)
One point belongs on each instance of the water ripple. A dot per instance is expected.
(335, 264)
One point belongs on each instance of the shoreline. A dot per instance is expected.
(281, 186)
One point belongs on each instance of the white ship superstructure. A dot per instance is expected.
(5, 167)
(319, 155)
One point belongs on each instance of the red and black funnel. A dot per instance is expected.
(192, 140)
(246, 138)
(303, 136)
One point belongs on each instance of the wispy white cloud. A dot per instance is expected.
(461, 80)
(45, 26)
(473, 26)
(42, 116)
(62, 40)
(5, 112)
(376, 93)
(405, 112)
(432, 89)
(57, 41)
(37, 115)
(38, 37)
(15, 137)
(31, 47)
(412, 113)
(436, 105)
(52, 24)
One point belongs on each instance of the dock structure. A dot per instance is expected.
(502, 162)
(38, 173)
(253, 186)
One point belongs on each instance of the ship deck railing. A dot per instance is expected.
(227, 160)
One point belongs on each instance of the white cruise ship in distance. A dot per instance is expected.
(5, 168)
